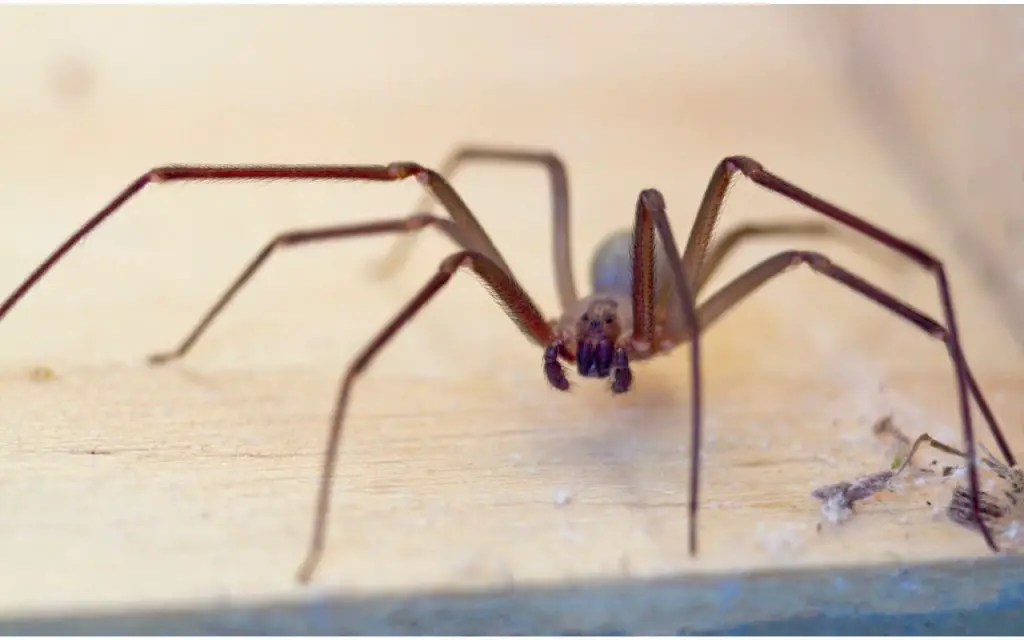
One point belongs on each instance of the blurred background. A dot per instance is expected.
(924, 100)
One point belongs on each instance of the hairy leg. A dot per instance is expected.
(651, 218)
(559, 186)
(471, 233)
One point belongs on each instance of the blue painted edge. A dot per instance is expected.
(1002, 616)
(977, 597)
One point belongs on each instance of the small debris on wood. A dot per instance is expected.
(838, 499)
(781, 540)
(1002, 508)
(41, 374)
(885, 426)
(905, 449)
(1002, 514)
(90, 452)
(563, 497)
(1013, 476)
(960, 512)
(995, 511)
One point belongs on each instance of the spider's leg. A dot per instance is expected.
(301, 237)
(508, 293)
(559, 185)
(709, 212)
(747, 283)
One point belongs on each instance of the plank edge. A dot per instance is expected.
(932, 598)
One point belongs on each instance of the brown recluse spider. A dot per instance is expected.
(642, 304)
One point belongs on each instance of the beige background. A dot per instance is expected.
(456, 452)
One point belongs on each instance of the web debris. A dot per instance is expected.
(1004, 514)
(838, 499)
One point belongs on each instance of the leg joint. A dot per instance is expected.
(745, 165)
(458, 260)
(813, 259)
(419, 221)
(402, 170)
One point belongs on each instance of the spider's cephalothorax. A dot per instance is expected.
(595, 339)
(600, 350)
(596, 330)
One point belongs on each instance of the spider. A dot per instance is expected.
(643, 301)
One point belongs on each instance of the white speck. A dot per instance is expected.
(1013, 530)
(563, 497)
(515, 458)
(779, 540)
(835, 509)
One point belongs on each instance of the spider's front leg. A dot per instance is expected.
(463, 226)
(651, 216)
(507, 291)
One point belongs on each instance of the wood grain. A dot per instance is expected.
(130, 488)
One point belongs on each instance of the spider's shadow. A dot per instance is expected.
(622, 441)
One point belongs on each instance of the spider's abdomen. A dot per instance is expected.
(611, 268)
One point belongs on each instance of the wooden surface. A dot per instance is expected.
(128, 488)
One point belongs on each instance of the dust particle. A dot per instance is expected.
(41, 374)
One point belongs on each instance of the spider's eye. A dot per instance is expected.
(608, 320)
(586, 317)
